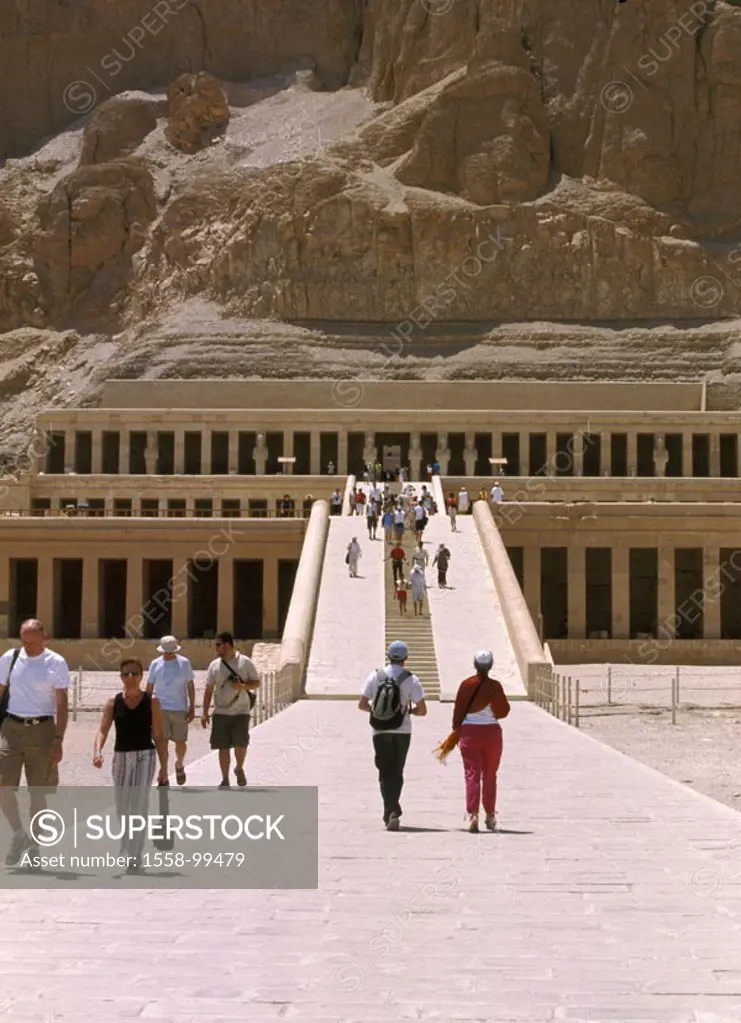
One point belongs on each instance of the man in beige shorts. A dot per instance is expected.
(172, 677)
(32, 733)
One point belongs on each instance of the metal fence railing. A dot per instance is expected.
(89, 692)
(613, 689)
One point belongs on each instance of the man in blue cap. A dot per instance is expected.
(391, 695)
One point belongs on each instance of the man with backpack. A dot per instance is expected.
(391, 695)
(232, 679)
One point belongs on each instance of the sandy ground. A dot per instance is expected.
(701, 750)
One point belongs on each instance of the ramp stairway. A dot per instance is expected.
(416, 632)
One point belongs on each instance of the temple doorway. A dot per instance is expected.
(393, 452)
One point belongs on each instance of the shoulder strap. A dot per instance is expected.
(473, 697)
(16, 655)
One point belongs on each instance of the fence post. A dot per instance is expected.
(674, 698)
(577, 703)
(76, 689)
(678, 670)
(609, 684)
(568, 699)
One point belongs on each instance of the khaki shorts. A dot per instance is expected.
(27, 746)
(175, 725)
(230, 731)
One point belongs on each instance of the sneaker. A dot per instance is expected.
(393, 822)
(34, 852)
(241, 777)
(21, 842)
(224, 784)
(473, 823)
(491, 822)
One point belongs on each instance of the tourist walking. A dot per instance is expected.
(496, 494)
(452, 509)
(400, 594)
(391, 695)
(420, 556)
(232, 680)
(140, 742)
(420, 521)
(398, 557)
(388, 525)
(463, 501)
(170, 678)
(360, 502)
(335, 503)
(419, 588)
(399, 524)
(34, 680)
(480, 705)
(351, 558)
(371, 518)
(353, 499)
(442, 560)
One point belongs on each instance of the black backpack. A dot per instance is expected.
(387, 712)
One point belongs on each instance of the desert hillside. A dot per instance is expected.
(397, 187)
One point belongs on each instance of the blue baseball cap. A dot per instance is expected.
(398, 651)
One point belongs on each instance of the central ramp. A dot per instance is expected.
(610, 894)
(349, 626)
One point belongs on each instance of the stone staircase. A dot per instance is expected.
(416, 632)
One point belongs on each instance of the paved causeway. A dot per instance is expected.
(612, 895)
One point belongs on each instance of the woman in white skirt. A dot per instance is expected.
(136, 717)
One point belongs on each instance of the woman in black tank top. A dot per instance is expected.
(136, 718)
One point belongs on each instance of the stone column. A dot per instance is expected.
(470, 454)
(620, 592)
(578, 456)
(4, 594)
(531, 580)
(550, 452)
(415, 456)
(288, 450)
(576, 611)
(712, 584)
(370, 451)
(180, 586)
(442, 454)
(233, 454)
(686, 454)
(523, 467)
(190, 507)
(90, 597)
(179, 459)
(342, 451)
(666, 599)
(124, 452)
(205, 451)
(45, 593)
(108, 505)
(632, 452)
(150, 454)
(69, 450)
(260, 454)
(315, 453)
(270, 597)
(496, 445)
(226, 592)
(97, 452)
(715, 455)
(134, 595)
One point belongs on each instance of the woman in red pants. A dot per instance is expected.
(479, 707)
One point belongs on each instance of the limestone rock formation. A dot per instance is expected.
(116, 128)
(197, 111)
(91, 224)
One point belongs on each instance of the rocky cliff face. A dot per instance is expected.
(495, 160)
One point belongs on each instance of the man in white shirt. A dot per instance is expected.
(231, 678)
(32, 732)
(391, 744)
(496, 494)
(335, 503)
(171, 677)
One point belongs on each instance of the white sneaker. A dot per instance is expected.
(393, 822)
(21, 842)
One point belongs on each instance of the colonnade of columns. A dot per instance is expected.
(571, 459)
(138, 604)
(670, 611)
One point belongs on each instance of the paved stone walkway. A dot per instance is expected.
(350, 612)
(467, 616)
(612, 895)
